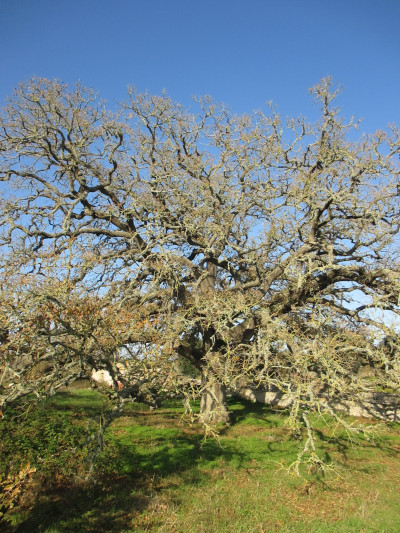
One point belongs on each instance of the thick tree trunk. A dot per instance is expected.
(213, 406)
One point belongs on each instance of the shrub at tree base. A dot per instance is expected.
(39, 446)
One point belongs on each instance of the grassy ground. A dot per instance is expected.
(158, 474)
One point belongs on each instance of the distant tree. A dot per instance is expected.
(261, 251)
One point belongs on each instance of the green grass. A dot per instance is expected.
(157, 473)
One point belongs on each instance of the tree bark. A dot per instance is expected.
(213, 405)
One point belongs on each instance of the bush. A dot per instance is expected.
(38, 446)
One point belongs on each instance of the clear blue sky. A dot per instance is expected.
(242, 53)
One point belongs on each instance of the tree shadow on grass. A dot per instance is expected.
(181, 453)
(107, 505)
(242, 409)
(125, 487)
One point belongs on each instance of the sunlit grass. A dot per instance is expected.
(158, 473)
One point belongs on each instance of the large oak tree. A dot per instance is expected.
(263, 251)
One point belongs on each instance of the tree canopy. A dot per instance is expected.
(264, 251)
